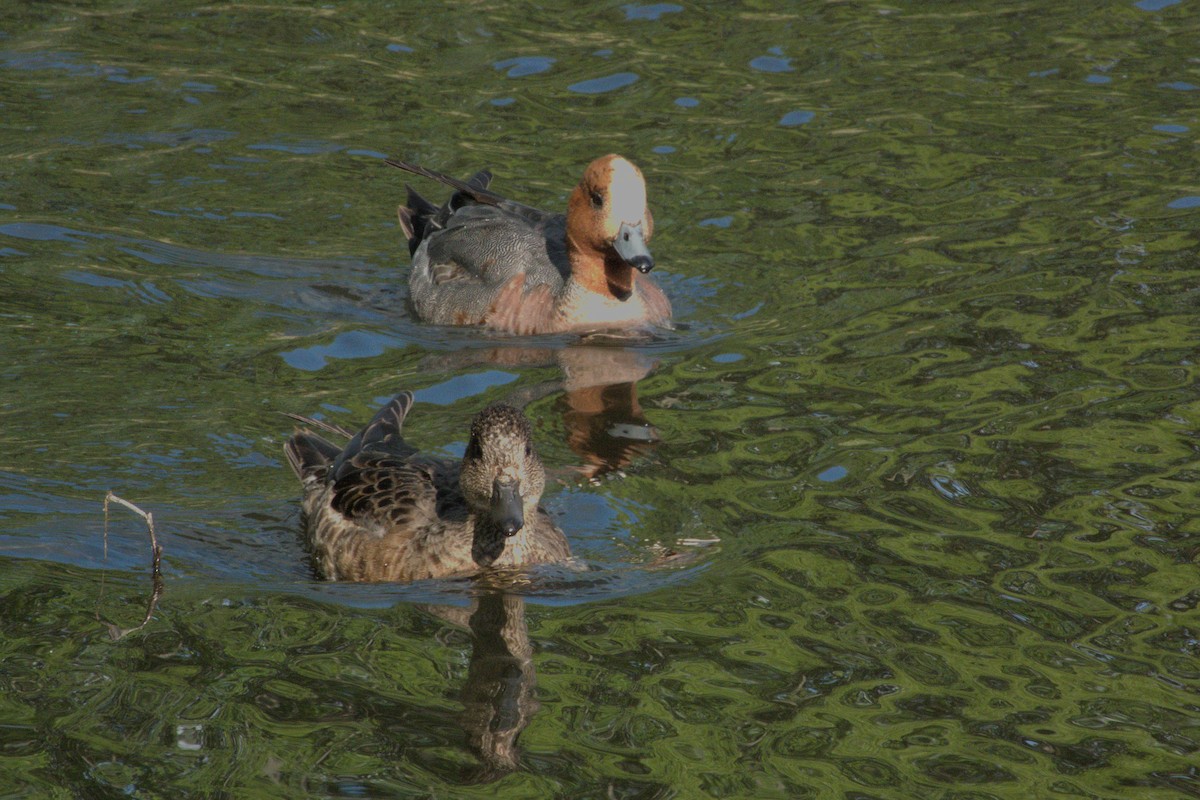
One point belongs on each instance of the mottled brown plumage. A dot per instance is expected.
(377, 510)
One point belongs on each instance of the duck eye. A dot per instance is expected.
(597, 199)
(528, 450)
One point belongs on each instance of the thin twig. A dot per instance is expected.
(115, 631)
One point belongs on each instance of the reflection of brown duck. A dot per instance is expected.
(498, 695)
(605, 422)
(498, 699)
(378, 511)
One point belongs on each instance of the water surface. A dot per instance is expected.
(906, 507)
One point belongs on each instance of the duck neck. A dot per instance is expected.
(487, 540)
(602, 273)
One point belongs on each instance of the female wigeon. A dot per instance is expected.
(483, 260)
(376, 510)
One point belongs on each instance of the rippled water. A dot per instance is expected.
(906, 507)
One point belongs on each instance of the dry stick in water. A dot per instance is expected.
(115, 631)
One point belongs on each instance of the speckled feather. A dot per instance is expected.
(379, 511)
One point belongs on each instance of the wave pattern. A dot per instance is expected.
(932, 403)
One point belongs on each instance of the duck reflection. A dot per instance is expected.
(498, 696)
(605, 424)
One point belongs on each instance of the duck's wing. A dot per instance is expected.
(381, 493)
(490, 244)
(381, 484)
(382, 433)
(313, 457)
(420, 218)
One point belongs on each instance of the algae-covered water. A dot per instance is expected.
(905, 507)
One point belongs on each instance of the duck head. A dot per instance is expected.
(502, 477)
(609, 227)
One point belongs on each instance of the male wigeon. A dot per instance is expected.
(376, 510)
(483, 260)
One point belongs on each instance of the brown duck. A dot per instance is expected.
(377, 510)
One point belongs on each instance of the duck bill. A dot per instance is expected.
(630, 245)
(507, 508)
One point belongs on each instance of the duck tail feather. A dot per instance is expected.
(418, 218)
(405, 215)
(309, 455)
(389, 419)
(383, 429)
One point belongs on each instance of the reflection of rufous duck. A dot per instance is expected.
(604, 420)
(483, 260)
(377, 510)
(605, 423)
